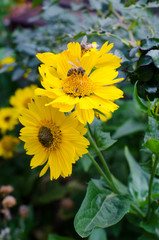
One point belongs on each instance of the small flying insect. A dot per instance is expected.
(85, 46)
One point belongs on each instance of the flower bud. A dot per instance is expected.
(154, 111)
(4, 190)
(6, 213)
(67, 204)
(23, 211)
(9, 201)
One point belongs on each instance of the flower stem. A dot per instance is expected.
(150, 184)
(137, 210)
(101, 159)
(99, 169)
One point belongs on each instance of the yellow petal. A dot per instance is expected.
(47, 58)
(108, 60)
(84, 115)
(75, 50)
(105, 48)
(43, 171)
(109, 92)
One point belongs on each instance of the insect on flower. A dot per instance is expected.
(75, 70)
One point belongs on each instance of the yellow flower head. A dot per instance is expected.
(7, 146)
(81, 82)
(22, 97)
(54, 139)
(8, 119)
(7, 61)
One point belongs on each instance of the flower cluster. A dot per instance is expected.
(78, 84)
(9, 119)
(81, 80)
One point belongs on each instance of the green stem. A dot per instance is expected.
(150, 184)
(99, 169)
(137, 210)
(101, 159)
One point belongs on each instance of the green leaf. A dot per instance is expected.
(17, 74)
(138, 185)
(56, 237)
(154, 54)
(86, 162)
(153, 145)
(129, 127)
(144, 61)
(151, 225)
(147, 44)
(103, 139)
(121, 55)
(138, 100)
(96, 4)
(98, 234)
(152, 130)
(148, 236)
(133, 51)
(100, 209)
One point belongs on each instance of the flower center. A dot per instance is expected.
(78, 84)
(6, 119)
(49, 136)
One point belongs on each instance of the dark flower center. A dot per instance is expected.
(6, 119)
(45, 137)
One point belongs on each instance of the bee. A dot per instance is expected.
(75, 70)
(85, 46)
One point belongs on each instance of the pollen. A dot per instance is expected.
(78, 85)
(49, 136)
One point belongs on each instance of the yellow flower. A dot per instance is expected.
(54, 139)
(75, 83)
(8, 119)
(22, 97)
(7, 61)
(7, 146)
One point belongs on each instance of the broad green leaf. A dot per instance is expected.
(147, 44)
(153, 145)
(154, 54)
(129, 127)
(145, 73)
(152, 224)
(138, 101)
(98, 234)
(138, 185)
(56, 237)
(100, 209)
(144, 60)
(103, 139)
